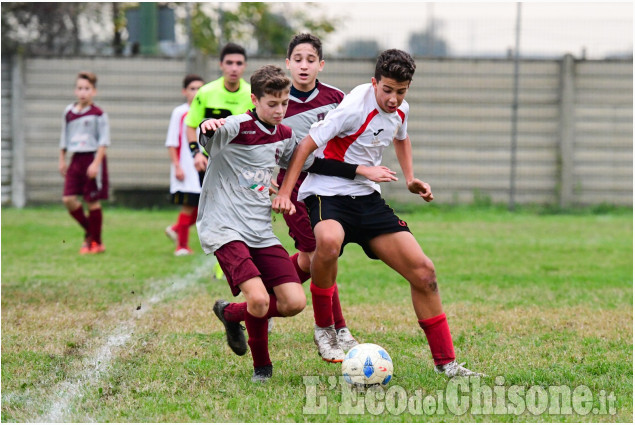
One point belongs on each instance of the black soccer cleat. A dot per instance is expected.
(262, 373)
(233, 330)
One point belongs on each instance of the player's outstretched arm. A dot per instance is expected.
(208, 127)
(403, 150)
(377, 173)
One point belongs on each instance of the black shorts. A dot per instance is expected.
(185, 198)
(362, 217)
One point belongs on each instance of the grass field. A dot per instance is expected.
(533, 300)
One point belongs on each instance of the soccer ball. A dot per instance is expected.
(367, 364)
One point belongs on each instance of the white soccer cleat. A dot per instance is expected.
(453, 369)
(345, 339)
(171, 234)
(183, 252)
(326, 341)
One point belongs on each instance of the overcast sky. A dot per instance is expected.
(473, 28)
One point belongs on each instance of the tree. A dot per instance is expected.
(48, 28)
(360, 48)
(426, 43)
(262, 27)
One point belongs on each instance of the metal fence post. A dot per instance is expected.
(566, 136)
(18, 170)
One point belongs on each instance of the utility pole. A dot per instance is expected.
(514, 131)
(149, 28)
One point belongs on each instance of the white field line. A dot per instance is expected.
(97, 363)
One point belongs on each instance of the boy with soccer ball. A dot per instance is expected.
(369, 119)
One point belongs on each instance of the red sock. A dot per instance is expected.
(235, 312)
(338, 317)
(322, 305)
(193, 216)
(183, 229)
(258, 339)
(95, 218)
(437, 331)
(304, 276)
(79, 215)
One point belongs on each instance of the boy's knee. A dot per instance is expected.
(258, 306)
(426, 277)
(328, 248)
(291, 307)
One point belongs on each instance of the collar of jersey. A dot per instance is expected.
(303, 95)
(268, 127)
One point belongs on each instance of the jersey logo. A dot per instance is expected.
(256, 179)
(320, 116)
(376, 133)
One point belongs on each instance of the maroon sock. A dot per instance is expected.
(437, 331)
(258, 339)
(235, 312)
(304, 276)
(338, 317)
(79, 215)
(193, 216)
(183, 229)
(95, 218)
(322, 305)
(273, 307)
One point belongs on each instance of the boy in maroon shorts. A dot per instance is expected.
(86, 134)
(234, 219)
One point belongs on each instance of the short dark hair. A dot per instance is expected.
(395, 64)
(232, 48)
(302, 39)
(91, 77)
(190, 78)
(269, 79)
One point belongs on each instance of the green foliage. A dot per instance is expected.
(203, 36)
(267, 25)
(427, 42)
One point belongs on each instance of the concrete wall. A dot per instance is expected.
(574, 129)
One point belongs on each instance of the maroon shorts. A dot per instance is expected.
(299, 223)
(78, 183)
(240, 263)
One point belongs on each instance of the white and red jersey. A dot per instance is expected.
(357, 132)
(177, 138)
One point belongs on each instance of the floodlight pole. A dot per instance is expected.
(514, 130)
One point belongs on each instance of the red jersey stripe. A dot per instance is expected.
(178, 149)
(336, 147)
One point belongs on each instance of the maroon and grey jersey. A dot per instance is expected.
(303, 113)
(85, 130)
(234, 203)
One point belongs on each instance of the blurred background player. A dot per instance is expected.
(370, 118)
(185, 180)
(86, 135)
(309, 102)
(228, 95)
